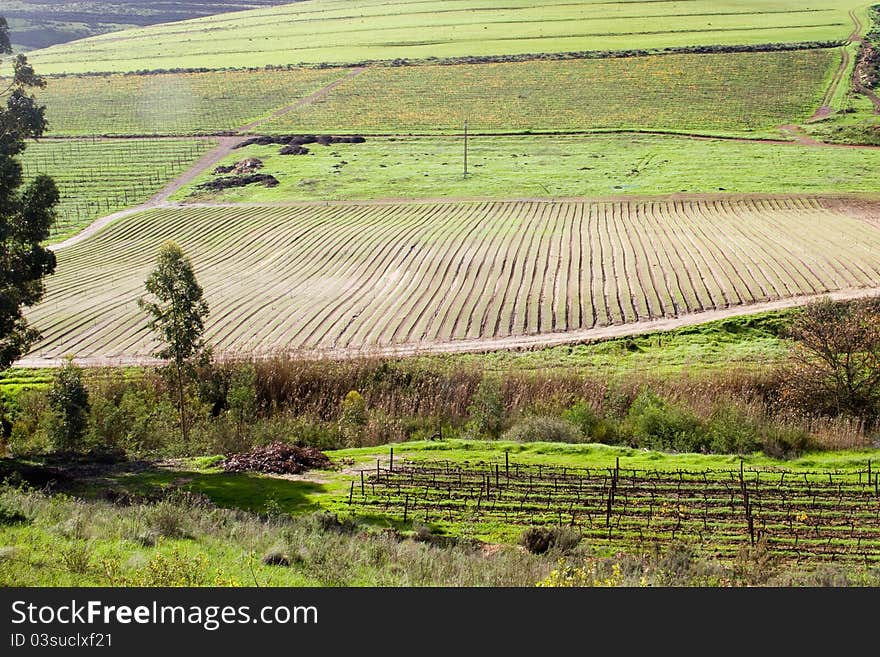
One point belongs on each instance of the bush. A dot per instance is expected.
(539, 428)
(353, 418)
(539, 540)
(69, 401)
(785, 441)
(592, 426)
(486, 410)
(275, 557)
(653, 422)
(732, 431)
(29, 428)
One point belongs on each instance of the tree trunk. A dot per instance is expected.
(181, 405)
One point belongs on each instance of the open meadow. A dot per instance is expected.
(343, 32)
(532, 166)
(173, 104)
(677, 92)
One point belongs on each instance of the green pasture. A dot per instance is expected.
(340, 31)
(599, 165)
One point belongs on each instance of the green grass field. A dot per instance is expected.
(175, 104)
(356, 277)
(341, 31)
(682, 92)
(599, 165)
(97, 176)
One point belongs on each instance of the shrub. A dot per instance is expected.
(353, 418)
(732, 431)
(486, 410)
(242, 396)
(10, 516)
(539, 540)
(653, 422)
(69, 401)
(592, 426)
(29, 428)
(275, 557)
(538, 428)
(780, 441)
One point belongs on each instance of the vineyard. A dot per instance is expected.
(798, 515)
(99, 176)
(710, 92)
(339, 31)
(360, 276)
(173, 103)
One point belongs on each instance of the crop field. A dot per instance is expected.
(342, 31)
(705, 92)
(173, 103)
(528, 166)
(99, 176)
(361, 276)
(802, 516)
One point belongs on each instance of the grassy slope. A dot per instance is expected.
(40, 23)
(328, 490)
(98, 177)
(179, 104)
(709, 92)
(345, 31)
(528, 166)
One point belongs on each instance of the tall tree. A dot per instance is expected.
(26, 214)
(177, 314)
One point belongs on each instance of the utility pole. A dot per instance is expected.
(465, 148)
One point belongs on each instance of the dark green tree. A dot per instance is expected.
(69, 401)
(26, 211)
(177, 314)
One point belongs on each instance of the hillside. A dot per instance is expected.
(42, 23)
(345, 31)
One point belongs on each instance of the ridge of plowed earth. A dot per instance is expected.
(350, 278)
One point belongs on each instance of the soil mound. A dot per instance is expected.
(225, 182)
(241, 168)
(277, 458)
